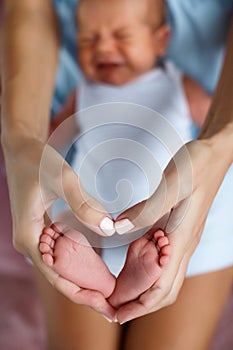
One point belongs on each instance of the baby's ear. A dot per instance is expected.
(162, 37)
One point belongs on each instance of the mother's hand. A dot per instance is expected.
(186, 220)
(37, 176)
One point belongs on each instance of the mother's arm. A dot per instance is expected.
(28, 57)
(209, 159)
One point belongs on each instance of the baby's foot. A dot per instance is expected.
(76, 260)
(143, 267)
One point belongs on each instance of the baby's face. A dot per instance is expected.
(116, 41)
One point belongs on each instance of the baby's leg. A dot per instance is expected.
(76, 260)
(143, 267)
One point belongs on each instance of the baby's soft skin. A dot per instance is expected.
(77, 262)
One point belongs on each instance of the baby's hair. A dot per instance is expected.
(155, 12)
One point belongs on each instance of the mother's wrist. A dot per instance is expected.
(15, 138)
(219, 136)
(15, 143)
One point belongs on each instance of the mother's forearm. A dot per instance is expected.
(218, 126)
(28, 57)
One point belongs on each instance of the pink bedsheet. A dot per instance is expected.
(21, 320)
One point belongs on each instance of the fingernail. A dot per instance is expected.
(115, 320)
(123, 226)
(107, 319)
(107, 226)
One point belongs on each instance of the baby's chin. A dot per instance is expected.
(115, 80)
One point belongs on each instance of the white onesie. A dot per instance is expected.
(123, 149)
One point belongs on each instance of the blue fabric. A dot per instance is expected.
(68, 73)
(199, 29)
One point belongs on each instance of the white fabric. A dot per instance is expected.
(147, 91)
(160, 90)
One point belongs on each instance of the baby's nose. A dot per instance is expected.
(105, 45)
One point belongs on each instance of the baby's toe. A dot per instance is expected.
(166, 250)
(47, 239)
(162, 241)
(45, 248)
(49, 231)
(48, 259)
(58, 228)
(164, 260)
(165, 253)
(157, 235)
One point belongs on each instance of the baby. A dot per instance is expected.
(120, 45)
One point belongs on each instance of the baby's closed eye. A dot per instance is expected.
(123, 35)
(86, 40)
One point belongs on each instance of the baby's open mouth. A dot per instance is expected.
(108, 66)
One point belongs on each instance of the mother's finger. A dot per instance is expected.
(58, 180)
(91, 298)
(175, 186)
